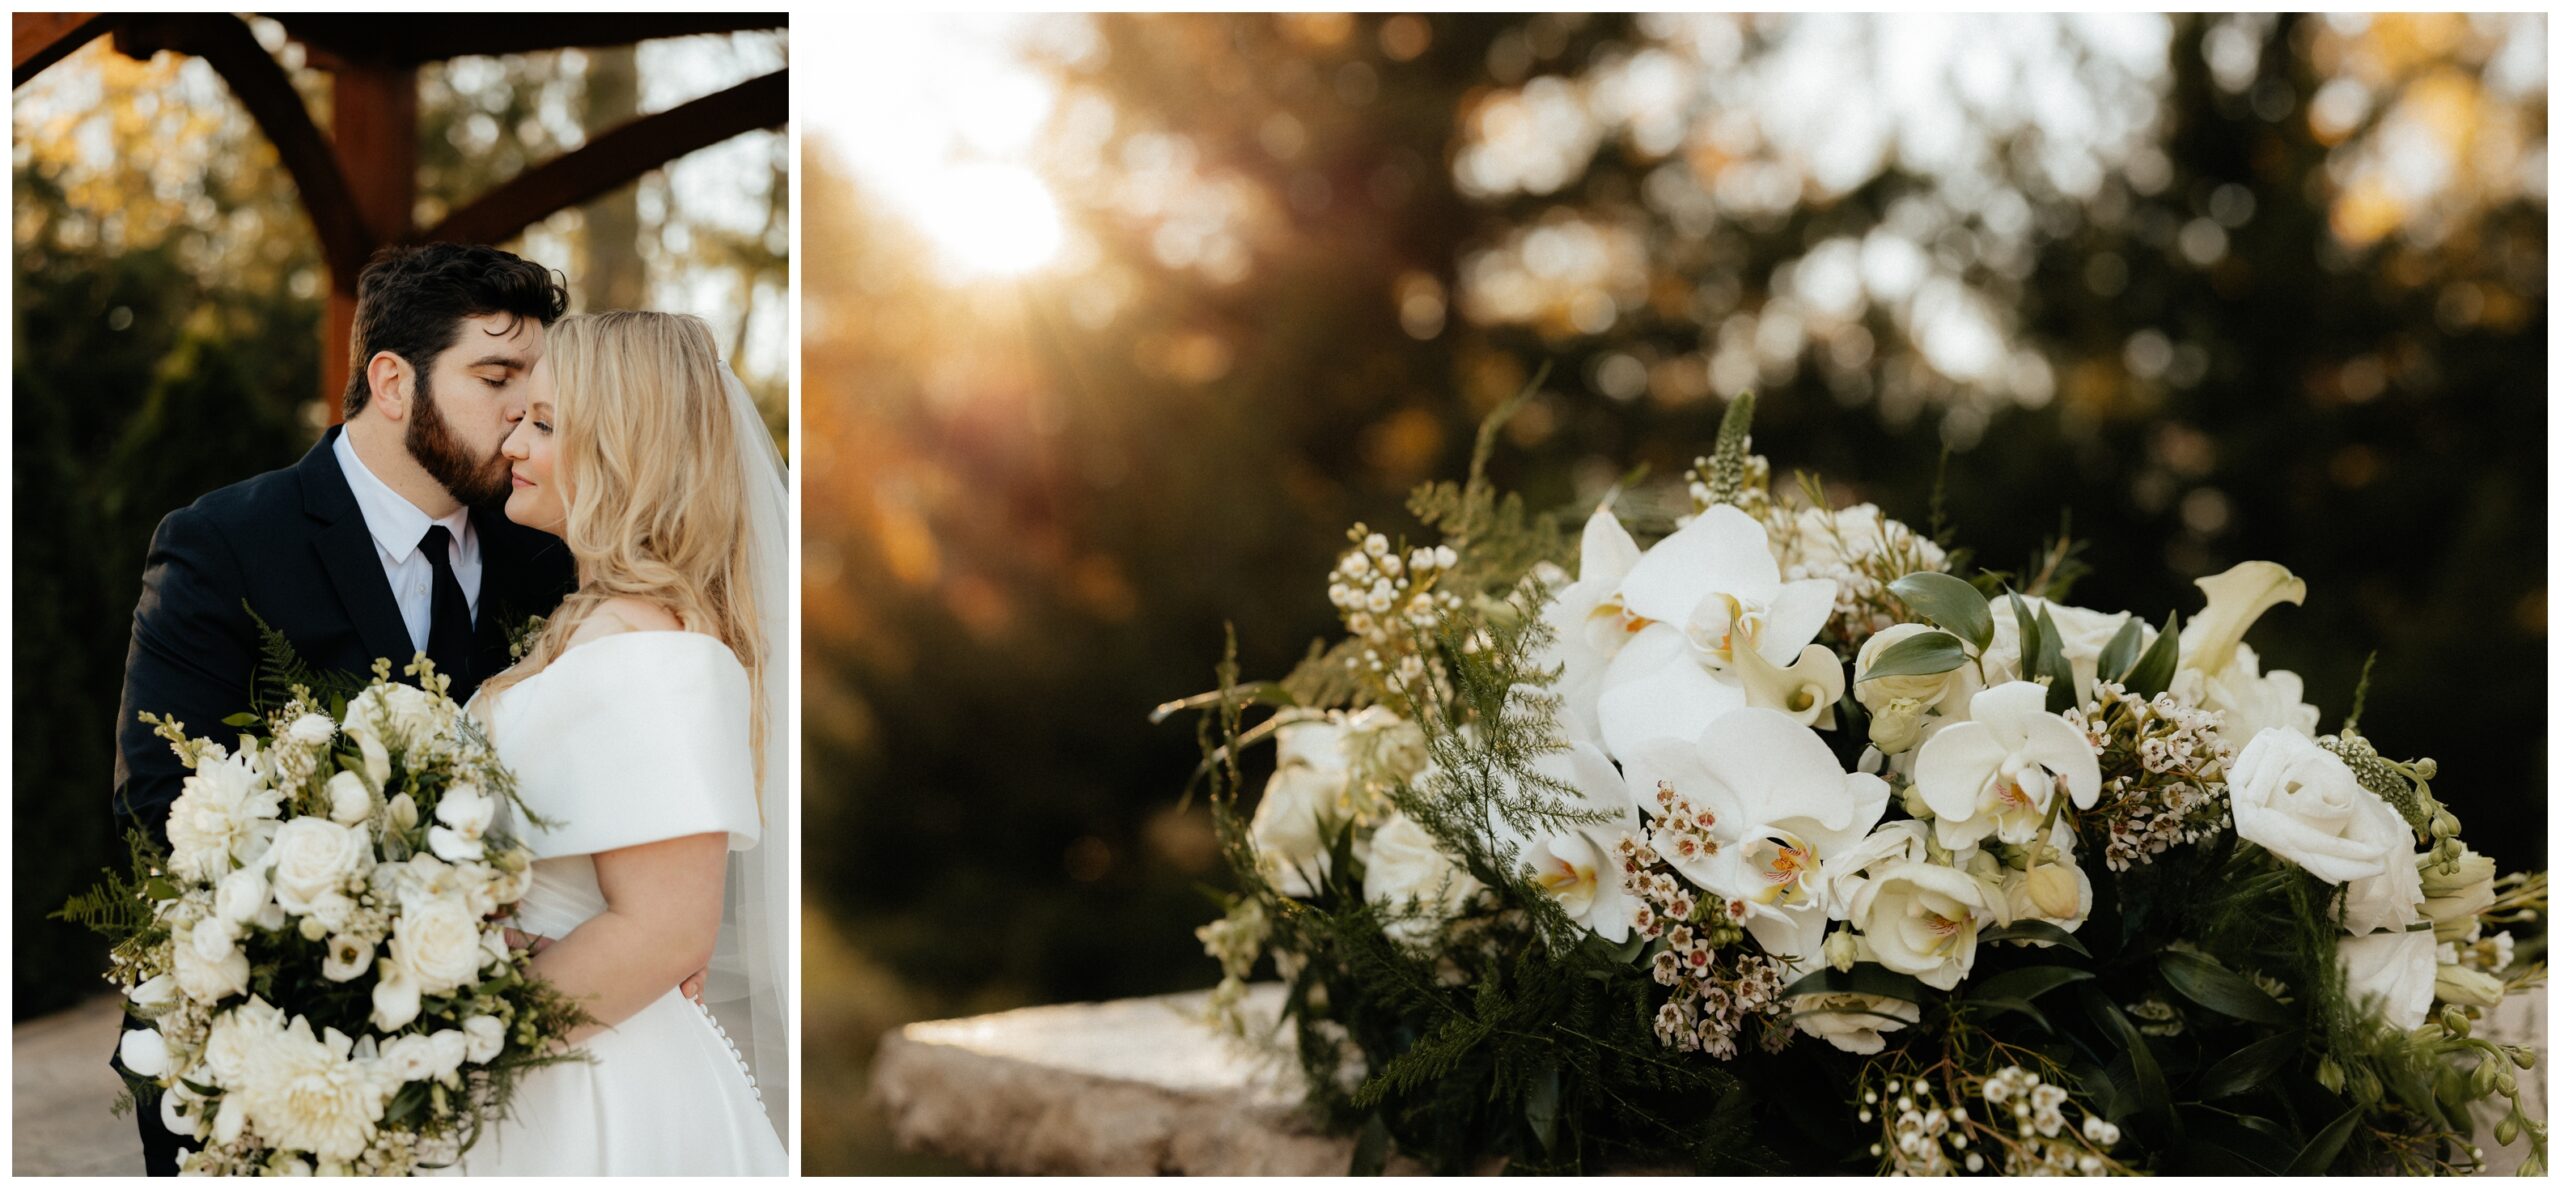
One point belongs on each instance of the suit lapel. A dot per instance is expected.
(347, 552)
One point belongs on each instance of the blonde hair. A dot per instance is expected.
(657, 508)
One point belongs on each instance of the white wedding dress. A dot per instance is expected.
(627, 739)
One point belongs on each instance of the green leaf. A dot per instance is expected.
(2251, 1064)
(2120, 651)
(1865, 978)
(2322, 1151)
(406, 1104)
(2026, 983)
(2030, 641)
(1543, 1096)
(242, 719)
(2151, 1087)
(2063, 692)
(2001, 1003)
(2038, 931)
(1926, 653)
(160, 889)
(2214, 987)
(2159, 663)
(1949, 602)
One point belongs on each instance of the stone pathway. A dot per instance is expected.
(62, 1092)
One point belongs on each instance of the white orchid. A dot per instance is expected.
(1577, 863)
(1998, 773)
(1778, 805)
(1588, 618)
(1710, 593)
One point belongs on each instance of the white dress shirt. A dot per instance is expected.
(397, 526)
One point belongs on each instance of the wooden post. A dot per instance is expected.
(374, 126)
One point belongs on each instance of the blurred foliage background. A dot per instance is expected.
(1112, 325)
(166, 335)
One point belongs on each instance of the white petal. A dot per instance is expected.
(1954, 765)
(1724, 550)
(1608, 552)
(1779, 766)
(2008, 708)
(2233, 600)
(1647, 696)
(2056, 745)
(1796, 616)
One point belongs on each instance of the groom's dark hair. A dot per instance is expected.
(411, 301)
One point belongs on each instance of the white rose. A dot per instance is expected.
(145, 1053)
(223, 816)
(314, 859)
(1407, 868)
(447, 1049)
(349, 801)
(2057, 892)
(1853, 1023)
(304, 1094)
(377, 758)
(1924, 920)
(408, 1058)
(2249, 703)
(2395, 971)
(396, 713)
(2085, 634)
(2302, 803)
(2389, 900)
(348, 959)
(467, 810)
(1300, 805)
(438, 943)
(205, 977)
(311, 730)
(1898, 707)
(485, 1037)
(241, 897)
(1827, 540)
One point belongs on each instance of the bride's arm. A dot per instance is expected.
(661, 916)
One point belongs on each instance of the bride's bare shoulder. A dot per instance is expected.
(621, 614)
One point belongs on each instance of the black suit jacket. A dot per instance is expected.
(292, 545)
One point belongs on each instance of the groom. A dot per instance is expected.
(386, 540)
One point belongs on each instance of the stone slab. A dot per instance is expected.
(1139, 1086)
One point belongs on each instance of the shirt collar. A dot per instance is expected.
(396, 524)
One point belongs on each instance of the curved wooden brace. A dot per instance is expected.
(617, 157)
(226, 44)
(40, 39)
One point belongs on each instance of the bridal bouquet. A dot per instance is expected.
(317, 950)
(1788, 842)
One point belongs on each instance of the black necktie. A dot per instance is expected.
(449, 618)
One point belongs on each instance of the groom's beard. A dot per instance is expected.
(473, 481)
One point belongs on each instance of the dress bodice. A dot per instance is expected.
(633, 738)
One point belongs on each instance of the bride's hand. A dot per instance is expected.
(692, 985)
(531, 943)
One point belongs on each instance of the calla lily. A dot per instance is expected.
(1999, 772)
(2233, 601)
(1804, 691)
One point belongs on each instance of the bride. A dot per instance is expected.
(644, 729)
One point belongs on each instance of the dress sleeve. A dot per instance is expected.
(632, 739)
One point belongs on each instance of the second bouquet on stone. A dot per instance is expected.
(1792, 842)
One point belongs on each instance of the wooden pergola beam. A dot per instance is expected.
(226, 44)
(413, 40)
(616, 158)
(40, 39)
